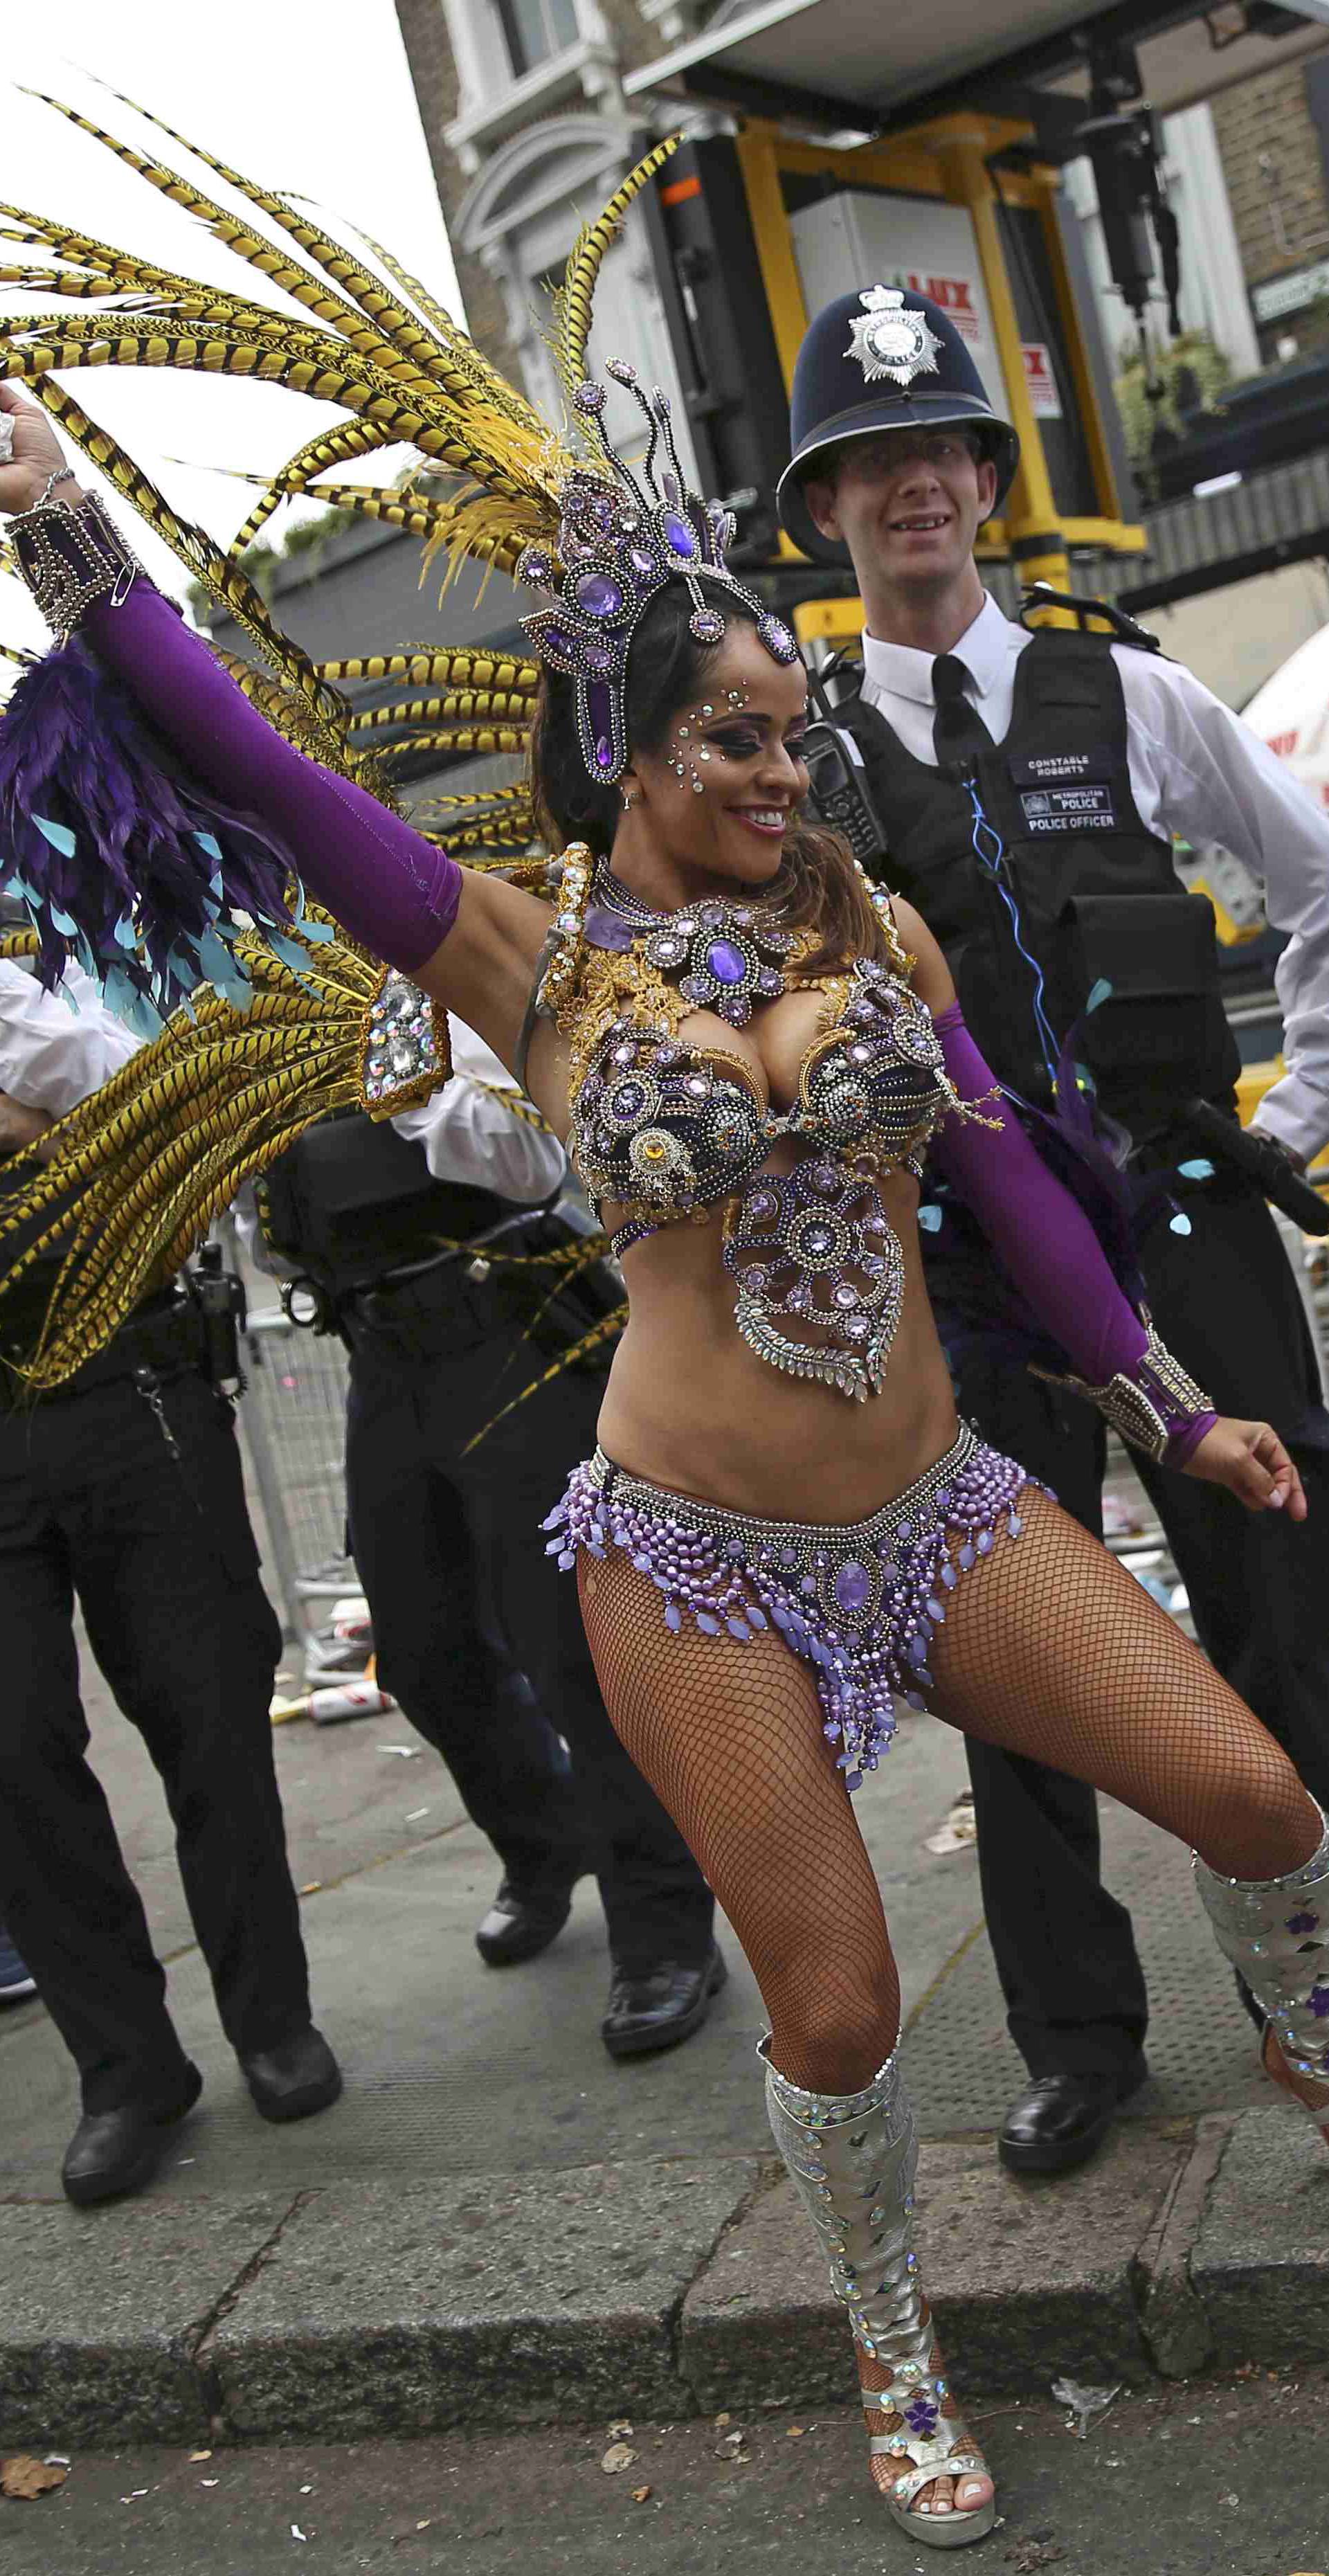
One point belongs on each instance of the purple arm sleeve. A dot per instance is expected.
(1042, 1237)
(390, 889)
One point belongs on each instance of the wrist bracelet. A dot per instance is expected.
(62, 474)
(1148, 1406)
(71, 558)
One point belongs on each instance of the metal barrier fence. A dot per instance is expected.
(293, 1431)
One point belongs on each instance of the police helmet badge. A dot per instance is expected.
(891, 338)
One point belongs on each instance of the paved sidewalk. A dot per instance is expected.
(499, 2225)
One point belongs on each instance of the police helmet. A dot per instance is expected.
(880, 358)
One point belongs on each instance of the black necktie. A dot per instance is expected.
(958, 730)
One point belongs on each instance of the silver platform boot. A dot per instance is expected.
(852, 2157)
(1275, 1931)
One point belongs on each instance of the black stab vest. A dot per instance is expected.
(1079, 886)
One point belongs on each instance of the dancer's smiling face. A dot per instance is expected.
(710, 804)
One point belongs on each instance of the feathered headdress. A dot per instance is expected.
(405, 373)
(140, 1170)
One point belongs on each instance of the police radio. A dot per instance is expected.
(838, 788)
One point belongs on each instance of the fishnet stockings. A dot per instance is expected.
(1049, 1649)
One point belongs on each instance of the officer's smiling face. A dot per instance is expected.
(908, 503)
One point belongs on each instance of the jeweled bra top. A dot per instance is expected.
(667, 1131)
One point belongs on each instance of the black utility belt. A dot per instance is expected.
(166, 1343)
(497, 1288)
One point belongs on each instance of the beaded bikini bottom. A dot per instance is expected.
(859, 1601)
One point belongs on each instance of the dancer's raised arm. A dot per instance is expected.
(396, 892)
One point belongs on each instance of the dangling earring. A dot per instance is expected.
(631, 796)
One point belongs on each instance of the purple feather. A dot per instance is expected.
(126, 865)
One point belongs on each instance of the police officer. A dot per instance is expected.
(1027, 786)
(122, 1490)
(476, 1635)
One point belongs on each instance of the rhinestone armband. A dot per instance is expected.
(406, 1055)
(72, 558)
(1149, 1406)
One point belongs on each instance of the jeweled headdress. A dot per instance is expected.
(619, 544)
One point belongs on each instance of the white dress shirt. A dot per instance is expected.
(470, 1136)
(56, 1048)
(1196, 772)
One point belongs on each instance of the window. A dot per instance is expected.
(536, 30)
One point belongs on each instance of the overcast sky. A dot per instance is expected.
(317, 102)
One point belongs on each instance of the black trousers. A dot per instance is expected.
(480, 1637)
(155, 1543)
(1225, 1300)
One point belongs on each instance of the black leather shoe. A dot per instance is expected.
(521, 1922)
(1059, 2120)
(652, 2008)
(295, 2079)
(117, 2151)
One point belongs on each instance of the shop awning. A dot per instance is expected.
(862, 61)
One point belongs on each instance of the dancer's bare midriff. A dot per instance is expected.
(690, 1407)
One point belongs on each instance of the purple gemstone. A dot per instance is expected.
(853, 1585)
(775, 635)
(642, 562)
(600, 708)
(604, 929)
(678, 536)
(1319, 2001)
(1302, 1922)
(598, 656)
(558, 640)
(599, 595)
(857, 1327)
(727, 963)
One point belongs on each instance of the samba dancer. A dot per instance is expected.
(749, 1053)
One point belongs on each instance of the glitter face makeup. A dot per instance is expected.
(685, 751)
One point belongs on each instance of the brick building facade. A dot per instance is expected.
(1273, 140)
(528, 131)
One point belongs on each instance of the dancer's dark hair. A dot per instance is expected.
(667, 670)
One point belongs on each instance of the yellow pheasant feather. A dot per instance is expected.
(572, 300)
